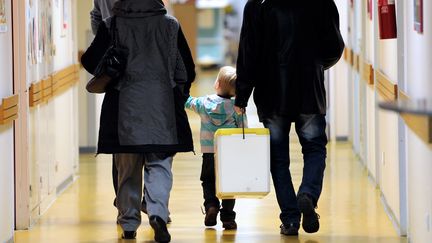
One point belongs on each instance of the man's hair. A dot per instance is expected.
(227, 77)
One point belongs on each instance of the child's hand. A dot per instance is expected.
(239, 110)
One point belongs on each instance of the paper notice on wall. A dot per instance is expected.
(3, 21)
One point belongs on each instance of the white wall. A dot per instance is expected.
(84, 8)
(89, 104)
(338, 102)
(66, 117)
(373, 133)
(419, 85)
(369, 56)
(6, 136)
(388, 131)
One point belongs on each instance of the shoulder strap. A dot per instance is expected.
(113, 31)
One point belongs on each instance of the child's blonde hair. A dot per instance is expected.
(227, 77)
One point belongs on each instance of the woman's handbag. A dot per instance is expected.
(110, 67)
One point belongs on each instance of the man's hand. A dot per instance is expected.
(239, 110)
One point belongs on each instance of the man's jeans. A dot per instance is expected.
(310, 129)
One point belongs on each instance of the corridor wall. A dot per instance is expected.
(89, 104)
(388, 133)
(375, 134)
(368, 52)
(387, 130)
(398, 158)
(419, 154)
(338, 86)
(353, 90)
(53, 121)
(6, 135)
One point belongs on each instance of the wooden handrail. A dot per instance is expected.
(55, 84)
(356, 62)
(386, 88)
(367, 72)
(9, 109)
(420, 125)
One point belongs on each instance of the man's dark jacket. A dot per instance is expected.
(145, 112)
(285, 46)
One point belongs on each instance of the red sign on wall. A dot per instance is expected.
(418, 15)
(370, 9)
(387, 19)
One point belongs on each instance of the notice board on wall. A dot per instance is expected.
(186, 13)
(3, 20)
(40, 29)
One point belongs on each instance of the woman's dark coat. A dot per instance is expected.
(285, 46)
(145, 112)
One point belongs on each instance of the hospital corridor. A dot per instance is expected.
(56, 176)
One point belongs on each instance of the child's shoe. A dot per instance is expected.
(229, 225)
(211, 216)
(227, 216)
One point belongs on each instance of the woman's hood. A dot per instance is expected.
(139, 8)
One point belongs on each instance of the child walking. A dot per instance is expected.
(216, 111)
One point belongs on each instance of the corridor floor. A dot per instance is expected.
(350, 207)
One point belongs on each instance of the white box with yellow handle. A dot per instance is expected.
(242, 163)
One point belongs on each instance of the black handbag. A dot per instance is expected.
(111, 66)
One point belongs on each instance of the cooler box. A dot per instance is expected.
(242, 166)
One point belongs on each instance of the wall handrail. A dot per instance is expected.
(9, 109)
(54, 85)
(367, 72)
(385, 87)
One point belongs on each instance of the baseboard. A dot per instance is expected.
(391, 215)
(87, 150)
(39, 210)
(372, 178)
(341, 138)
(11, 240)
(65, 184)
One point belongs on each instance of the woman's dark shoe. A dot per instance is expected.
(306, 206)
(160, 229)
(229, 225)
(129, 235)
(289, 229)
(144, 210)
(211, 216)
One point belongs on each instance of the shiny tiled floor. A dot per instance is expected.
(350, 207)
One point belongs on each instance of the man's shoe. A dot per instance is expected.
(129, 235)
(229, 225)
(211, 216)
(289, 229)
(306, 206)
(160, 229)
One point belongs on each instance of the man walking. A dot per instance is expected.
(285, 46)
(102, 10)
